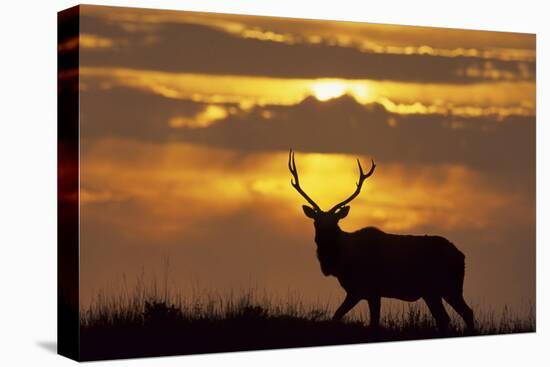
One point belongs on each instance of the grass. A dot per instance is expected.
(150, 322)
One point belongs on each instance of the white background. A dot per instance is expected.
(28, 182)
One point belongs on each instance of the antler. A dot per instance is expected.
(362, 178)
(296, 182)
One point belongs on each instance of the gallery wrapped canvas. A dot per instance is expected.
(231, 183)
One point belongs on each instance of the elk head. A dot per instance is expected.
(326, 220)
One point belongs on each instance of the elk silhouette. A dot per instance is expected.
(370, 264)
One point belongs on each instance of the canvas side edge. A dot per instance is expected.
(68, 24)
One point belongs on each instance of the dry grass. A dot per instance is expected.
(152, 321)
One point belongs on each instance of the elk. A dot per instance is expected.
(370, 264)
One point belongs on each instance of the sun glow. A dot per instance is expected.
(325, 90)
(389, 200)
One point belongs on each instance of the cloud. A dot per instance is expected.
(132, 114)
(482, 99)
(185, 47)
(90, 41)
(379, 38)
(336, 126)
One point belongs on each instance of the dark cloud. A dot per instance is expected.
(131, 113)
(504, 147)
(180, 47)
(343, 125)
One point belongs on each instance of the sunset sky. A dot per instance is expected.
(187, 119)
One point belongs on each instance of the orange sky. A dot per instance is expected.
(187, 118)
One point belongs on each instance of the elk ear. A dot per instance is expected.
(342, 212)
(309, 211)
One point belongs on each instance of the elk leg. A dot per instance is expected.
(347, 305)
(458, 303)
(374, 309)
(437, 309)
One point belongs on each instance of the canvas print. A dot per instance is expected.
(232, 183)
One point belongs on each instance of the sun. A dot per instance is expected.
(326, 89)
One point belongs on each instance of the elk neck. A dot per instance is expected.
(327, 236)
(328, 248)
